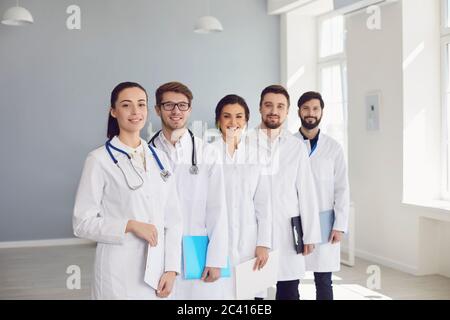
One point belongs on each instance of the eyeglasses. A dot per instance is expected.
(169, 106)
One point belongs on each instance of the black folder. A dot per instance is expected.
(297, 233)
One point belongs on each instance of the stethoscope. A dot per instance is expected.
(163, 172)
(194, 167)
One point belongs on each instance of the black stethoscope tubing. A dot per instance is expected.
(194, 166)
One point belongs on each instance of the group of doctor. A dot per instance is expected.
(241, 192)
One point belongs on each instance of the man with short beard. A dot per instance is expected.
(331, 181)
(293, 192)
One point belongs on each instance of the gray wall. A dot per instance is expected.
(55, 85)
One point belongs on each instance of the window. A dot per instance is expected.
(331, 36)
(333, 77)
(446, 119)
(445, 16)
(445, 67)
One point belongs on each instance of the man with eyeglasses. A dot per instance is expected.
(201, 189)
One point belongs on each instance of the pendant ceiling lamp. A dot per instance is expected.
(208, 24)
(17, 16)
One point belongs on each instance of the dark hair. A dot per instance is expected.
(113, 125)
(308, 96)
(277, 89)
(232, 99)
(172, 87)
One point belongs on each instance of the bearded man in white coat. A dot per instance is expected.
(331, 181)
(293, 191)
(201, 188)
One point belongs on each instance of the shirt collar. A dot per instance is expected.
(119, 144)
(183, 140)
(262, 135)
(306, 138)
(240, 149)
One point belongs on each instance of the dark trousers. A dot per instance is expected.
(324, 288)
(287, 290)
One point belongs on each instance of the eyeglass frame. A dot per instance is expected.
(175, 105)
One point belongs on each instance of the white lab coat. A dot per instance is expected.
(331, 181)
(203, 204)
(103, 206)
(248, 204)
(293, 194)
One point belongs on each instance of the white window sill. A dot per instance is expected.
(440, 208)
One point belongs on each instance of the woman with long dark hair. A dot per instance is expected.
(247, 189)
(127, 202)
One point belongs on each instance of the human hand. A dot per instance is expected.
(210, 274)
(262, 256)
(145, 231)
(308, 249)
(165, 285)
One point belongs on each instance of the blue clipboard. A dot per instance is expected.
(194, 257)
(326, 225)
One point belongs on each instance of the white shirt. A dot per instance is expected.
(104, 204)
(138, 154)
(332, 188)
(293, 194)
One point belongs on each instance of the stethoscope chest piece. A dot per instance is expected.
(165, 175)
(193, 169)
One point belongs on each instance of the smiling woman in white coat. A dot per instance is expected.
(247, 189)
(127, 202)
(331, 182)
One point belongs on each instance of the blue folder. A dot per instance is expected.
(326, 225)
(194, 257)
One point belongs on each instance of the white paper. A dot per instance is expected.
(249, 282)
(154, 268)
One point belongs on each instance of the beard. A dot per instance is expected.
(272, 125)
(310, 126)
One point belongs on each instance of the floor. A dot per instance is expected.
(43, 273)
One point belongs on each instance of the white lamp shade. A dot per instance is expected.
(208, 24)
(17, 16)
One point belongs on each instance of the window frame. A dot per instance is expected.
(445, 83)
(333, 57)
(445, 28)
(342, 63)
(333, 60)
